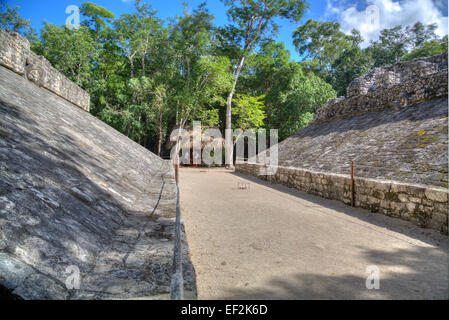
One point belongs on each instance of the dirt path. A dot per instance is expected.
(270, 242)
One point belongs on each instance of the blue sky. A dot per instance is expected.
(349, 13)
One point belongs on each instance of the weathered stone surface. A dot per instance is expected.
(75, 192)
(395, 86)
(436, 195)
(15, 54)
(388, 197)
(400, 150)
(409, 144)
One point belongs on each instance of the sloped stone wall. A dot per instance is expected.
(425, 206)
(15, 54)
(409, 145)
(75, 192)
(393, 124)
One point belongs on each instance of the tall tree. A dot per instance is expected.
(292, 93)
(203, 76)
(73, 52)
(252, 21)
(390, 47)
(11, 19)
(428, 48)
(420, 34)
(98, 17)
(321, 42)
(351, 64)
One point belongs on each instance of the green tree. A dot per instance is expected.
(305, 93)
(252, 21)
(322, 42)
(126, 31)
(419, 34)
(292, 93)
(70, 51)
(390, 47)
(11, 19)
(351, 64)
(249, 111)
(98, 16)
(203, 77)
(429, 48)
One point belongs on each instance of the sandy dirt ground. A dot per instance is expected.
(271, 242)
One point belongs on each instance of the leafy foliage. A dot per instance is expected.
(429, 48)
(12, 20)
(338, 58)
(146, 75)
(249, 111)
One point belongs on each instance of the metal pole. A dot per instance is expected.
(352, 183)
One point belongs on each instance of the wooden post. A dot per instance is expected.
(352, 183)
(177, 173)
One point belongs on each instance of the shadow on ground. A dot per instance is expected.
(406, 228)
(406, 283)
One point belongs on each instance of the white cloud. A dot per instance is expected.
(391, 14)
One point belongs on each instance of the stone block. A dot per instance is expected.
(15, 54)
(397, 188)
(437, 195)
(441, 208)
(385, 204)
(378, 194)
(372, 200)
(398, 207)
(439, 219)
(414, 200)
(403, 197)
(411, 207)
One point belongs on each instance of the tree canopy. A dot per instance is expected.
(148, 75)
(339, 58)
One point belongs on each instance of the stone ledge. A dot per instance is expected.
(16, 55)
(425, 206)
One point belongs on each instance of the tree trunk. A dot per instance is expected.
(128, 128)
(228, 138)
(132, 67)
(159, 143)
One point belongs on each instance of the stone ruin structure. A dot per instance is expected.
(85, 213)
(393, 124)
(395, 86)
(15, 54)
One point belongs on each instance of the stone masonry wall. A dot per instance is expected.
(395, 86)
(425, 206)
(15, 54)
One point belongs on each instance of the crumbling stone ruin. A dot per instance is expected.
(15, 54)
(393, 124)
(76, 195)
(394, 86)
